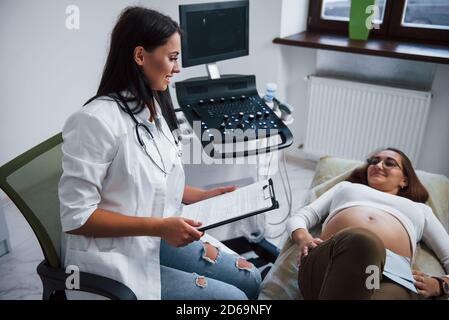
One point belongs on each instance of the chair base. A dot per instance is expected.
(54, 284)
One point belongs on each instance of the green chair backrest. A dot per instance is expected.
(31, 182)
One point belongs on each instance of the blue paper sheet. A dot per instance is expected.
(398, 269)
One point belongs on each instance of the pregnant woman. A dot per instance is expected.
(372, 223)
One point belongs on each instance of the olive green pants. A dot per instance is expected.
(337, 269)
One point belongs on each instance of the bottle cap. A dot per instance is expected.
(271, 86)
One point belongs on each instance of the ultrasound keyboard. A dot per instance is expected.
(231, 108)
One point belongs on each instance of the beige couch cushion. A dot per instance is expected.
(281, 281)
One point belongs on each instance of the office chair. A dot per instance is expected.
(31, 182)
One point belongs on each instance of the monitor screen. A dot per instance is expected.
(214, 31)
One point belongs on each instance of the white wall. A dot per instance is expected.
(48, 72)
(435, 149)
(294, 18)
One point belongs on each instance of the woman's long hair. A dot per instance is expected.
(414, 190)
(135, 27)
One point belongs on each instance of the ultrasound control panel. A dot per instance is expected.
(231, 107)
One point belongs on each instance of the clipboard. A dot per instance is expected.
(265, 195)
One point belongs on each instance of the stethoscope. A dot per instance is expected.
(141, 126)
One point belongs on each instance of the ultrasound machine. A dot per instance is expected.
(229, 118)
(227, 108)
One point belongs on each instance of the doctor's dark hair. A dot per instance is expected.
(137, 26)
(414, 190)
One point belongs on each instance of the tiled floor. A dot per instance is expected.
(18, 277)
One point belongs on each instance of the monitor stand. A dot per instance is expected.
(212, 71)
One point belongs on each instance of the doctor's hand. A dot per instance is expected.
(305, 242)
(217, 191)
(179, 232)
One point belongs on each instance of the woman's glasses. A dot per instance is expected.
(388, 163)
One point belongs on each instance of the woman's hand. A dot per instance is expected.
(217, 191)
(192, 194)
(179, 232)
(426, 285)
(305, 242)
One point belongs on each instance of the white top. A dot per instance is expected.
(417, 218)
(105, 167)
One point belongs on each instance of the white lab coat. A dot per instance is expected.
(105, 167)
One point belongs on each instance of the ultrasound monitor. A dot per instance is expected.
(213, 32)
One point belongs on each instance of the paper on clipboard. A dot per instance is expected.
(251, 199)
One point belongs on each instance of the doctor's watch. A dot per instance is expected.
(444, 286)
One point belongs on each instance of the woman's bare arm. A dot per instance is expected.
(103, 223)
(192, 194)
(175, 230)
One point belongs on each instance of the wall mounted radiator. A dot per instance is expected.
(350, 119)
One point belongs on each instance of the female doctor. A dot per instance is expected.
(123, 180)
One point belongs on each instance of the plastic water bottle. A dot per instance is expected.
(270, 93)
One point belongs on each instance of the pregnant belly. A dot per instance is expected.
(386, 226)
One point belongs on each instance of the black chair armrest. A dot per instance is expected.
(53, 279)
(265, 250)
